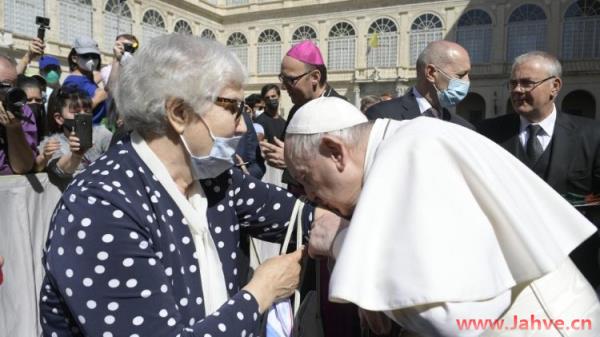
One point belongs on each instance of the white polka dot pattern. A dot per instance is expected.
(123, 261)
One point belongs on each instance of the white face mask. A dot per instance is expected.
(258, 112)
(89, 64)
(217, 161)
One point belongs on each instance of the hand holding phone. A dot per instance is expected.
(83, 130)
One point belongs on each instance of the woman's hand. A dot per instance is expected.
(275, 279)
(50, 148)
(74, 145)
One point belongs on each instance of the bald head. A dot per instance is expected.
(8, 70)
(442, 53)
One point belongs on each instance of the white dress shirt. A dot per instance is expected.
(545, 134)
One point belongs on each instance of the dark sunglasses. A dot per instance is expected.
(234, 106)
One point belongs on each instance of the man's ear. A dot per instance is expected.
(334, 149)
(177, 113)
(556, 86)
(429, 71)
(315, 77)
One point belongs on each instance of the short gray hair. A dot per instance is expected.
(191, 68)
(552, 64)
(298, 146)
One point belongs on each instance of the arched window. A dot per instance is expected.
(117, 20)
(472, 108)
(153, 25)
(182, 27)
(382, 43)
(208, 34)
(579, 103)
(581, 30)
(76, 19)
(19, 16)
(526, 30)
(238, 44)
(474, 32)
(341, 47)
(269, 52)
(304, 33)
(424, 30)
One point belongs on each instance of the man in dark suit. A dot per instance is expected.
(442, 82)
(563, 150)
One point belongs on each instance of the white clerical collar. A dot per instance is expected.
(423, 103)
(547, 124)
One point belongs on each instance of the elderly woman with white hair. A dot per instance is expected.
(145, 242)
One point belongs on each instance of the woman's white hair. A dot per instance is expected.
(191, 68)
(300, 147)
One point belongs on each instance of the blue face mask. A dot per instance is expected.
(217, 161)
(457, 91)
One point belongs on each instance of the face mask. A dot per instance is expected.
(272, 104)
(258, 112)
(88, 64)
(52, 77)
(457, 91)
(69, 124)
(127, 56)
(217, 161)
(36, 109)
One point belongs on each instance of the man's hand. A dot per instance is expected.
(273, 153)
(36, 48)
(118, 50)
(323, 233)
(7, 118)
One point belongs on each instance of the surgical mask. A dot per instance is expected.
(89, 64)
(52, 77)
(217, 161)
(273, 104)
(127, 56)
(69, 124)
(258, 112)
(457, 91)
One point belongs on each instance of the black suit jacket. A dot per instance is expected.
(406, 107)
(575, 158)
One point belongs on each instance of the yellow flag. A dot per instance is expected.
(374, 40)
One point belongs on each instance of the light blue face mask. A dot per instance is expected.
(217, 161)
(457, 91)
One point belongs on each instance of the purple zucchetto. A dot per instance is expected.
(306, 52)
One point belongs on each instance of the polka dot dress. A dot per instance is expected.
(120, 259)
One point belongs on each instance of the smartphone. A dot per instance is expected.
(83, 130)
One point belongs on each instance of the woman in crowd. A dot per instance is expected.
(145, 242)
(60, 153)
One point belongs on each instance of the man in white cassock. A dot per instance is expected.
(446, 229)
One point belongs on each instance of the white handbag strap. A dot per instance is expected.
(295, 221)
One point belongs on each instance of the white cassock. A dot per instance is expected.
(451, 226)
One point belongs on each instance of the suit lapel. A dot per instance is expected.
(510, 138)
(563, 141)
(410, 105)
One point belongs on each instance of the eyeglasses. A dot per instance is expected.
(292, 80)
(234, 106)
(526, 85)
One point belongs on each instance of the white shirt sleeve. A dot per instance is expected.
(440, 320)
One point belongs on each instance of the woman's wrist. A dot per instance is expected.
(263, 297)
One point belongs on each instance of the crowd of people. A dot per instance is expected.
(425, 221)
